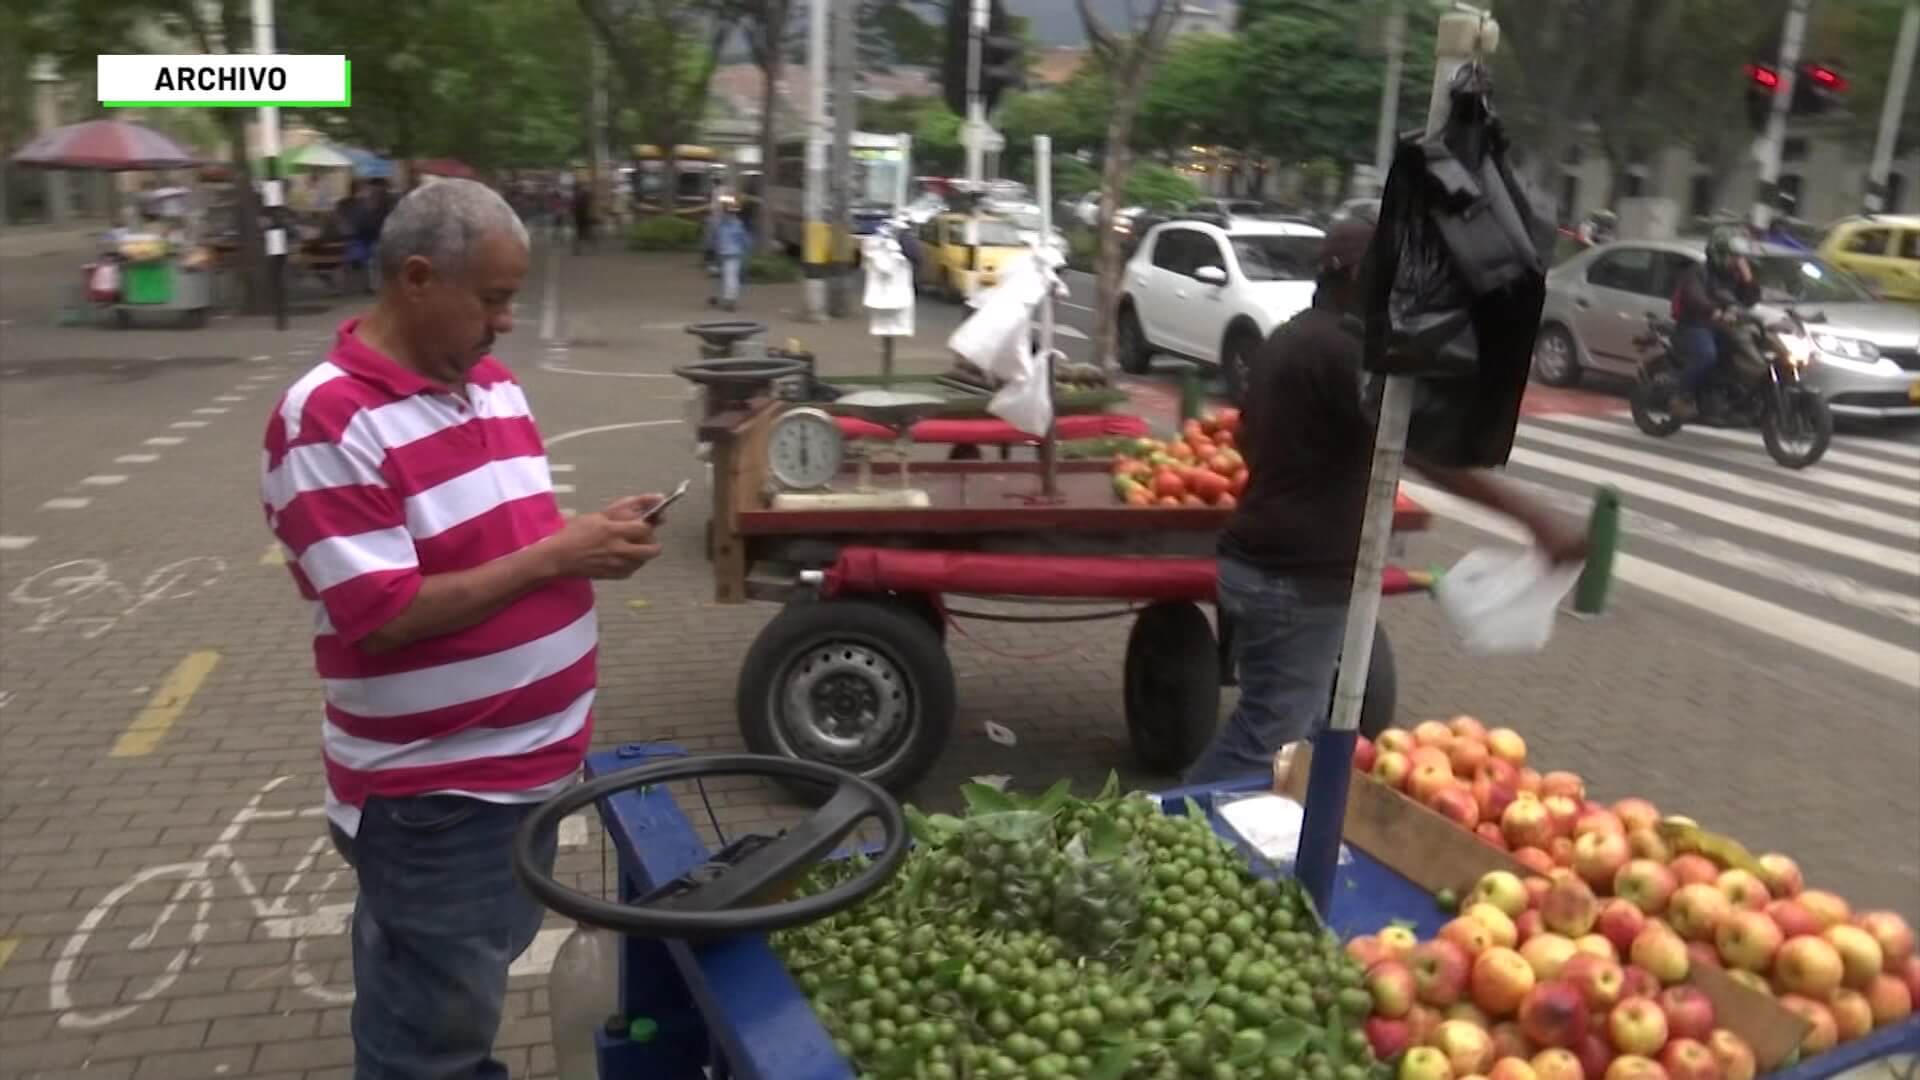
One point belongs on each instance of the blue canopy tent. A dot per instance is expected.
(368, 164)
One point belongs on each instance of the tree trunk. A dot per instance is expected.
(770, 70)
(252, 268)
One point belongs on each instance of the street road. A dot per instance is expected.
(169, 908)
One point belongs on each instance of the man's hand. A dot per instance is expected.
(633, 507)
(1561, 539)
(610, 544)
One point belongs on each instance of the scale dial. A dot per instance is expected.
(805, 450)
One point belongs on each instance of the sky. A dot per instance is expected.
(1057, 22)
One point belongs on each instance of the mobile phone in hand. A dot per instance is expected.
(652, 516)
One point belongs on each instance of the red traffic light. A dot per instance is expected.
(1826, 78)
(1764, 77)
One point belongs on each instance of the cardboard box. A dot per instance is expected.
(1434, 853)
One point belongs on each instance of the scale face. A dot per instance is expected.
(805, 450)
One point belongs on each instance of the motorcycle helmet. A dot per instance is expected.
(1727, 242)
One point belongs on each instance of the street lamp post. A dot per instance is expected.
(813, 240)
(272, 194)
(1890, 109)
(1766, 193)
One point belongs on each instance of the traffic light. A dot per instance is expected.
(1817, 87)
(1002, 65)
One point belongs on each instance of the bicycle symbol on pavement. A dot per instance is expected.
(84, 592)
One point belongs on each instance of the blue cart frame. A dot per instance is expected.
(732, 1007)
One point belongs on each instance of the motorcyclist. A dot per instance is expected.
(1706, 295)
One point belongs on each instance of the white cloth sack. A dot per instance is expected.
(998, 339)
(1502, 600)
(888, 296)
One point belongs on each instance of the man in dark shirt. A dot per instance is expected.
(1705, 291)
(1288, 553)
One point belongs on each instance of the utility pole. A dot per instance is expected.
(975, 135)
(274, 196)
(840, 284)
(1464, 36)
(1767, 191)
(814, 238)
(1396, 45)
(597, 136)
(1890, 109)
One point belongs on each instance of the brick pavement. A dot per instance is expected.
(1783, 750)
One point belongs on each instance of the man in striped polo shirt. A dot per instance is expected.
(453, 618)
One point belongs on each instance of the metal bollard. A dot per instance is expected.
(1603, 536)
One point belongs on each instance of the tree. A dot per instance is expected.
(1130, 60)
(1198, 94)
(1860, 36)
(1322, 80)
(655, 46)
(768, 25)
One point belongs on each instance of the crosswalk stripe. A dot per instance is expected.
(1903, 526)
(1898, 495)
(1806, 633)
(1820, 540)
(1835, 454)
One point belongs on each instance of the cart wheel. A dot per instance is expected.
(924, 606)
(863, 685)
(1383, 691)
(1172, 683)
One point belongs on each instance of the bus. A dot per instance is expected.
(695, 170)
(880, 170)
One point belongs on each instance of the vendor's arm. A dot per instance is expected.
(1562, 539)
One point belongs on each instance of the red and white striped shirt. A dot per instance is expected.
(375, 478)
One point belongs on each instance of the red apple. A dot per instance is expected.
(1509, 1041)
(1636, 814)
(1456, 804)
(1396, 942)
(1499, 927)
(1646, 884)
(1598, 979)
(1893, 934)
(1467, 755)
(1387, 1036)
(1890, 999)
(1392, 986)
(1661, 953)
(1564, 783)
(1748, 939)
(1744, 890)
(1512, 1067)
(1526, 824)
(1498, 771)
(1596, 944)
(1700, 954)
(1689, 1059)
(1561, 810)
(1424, 1063)
(1594, 1053)
(1464, 726)
(1910, 974)
(1852, 1013)
(1492, 794)
(1528, 781)
(1396, 740)
(1598, 819)
(1599, 855)
(1533, 858)
(1691, 869)
(1490, 833)
(1860, 955)
(1753, 981)
(1431, 755)
(1427, 779)
(1637, 1026)
(1421, 1022)
(1689, 1011)
(1471, 935)
(1734, 1055)
(1528, 926)
(1570, 908)
(1637, 981)
(1548, 953)
(1439, 972)
(1561, 848)
(1468, 1048)
(1648, 844)
(1391, 767)
(1781, 874)
(1507, 745)
(1822, 1031)
(1468, 1011)
(1793, 919)
(1635, 1067)
(1538, 886)
(1809, 967)
(1697, 910)
(1621, 920)
(1365, 951)
(1433, 733)
(1500, 980)
(1556, 1063)
(1554, 1014)
(1364, 751)
(1827, 907)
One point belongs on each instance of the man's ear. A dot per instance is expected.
(416, 273)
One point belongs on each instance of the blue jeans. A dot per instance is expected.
(438, 920)
(1699, 351)
(1286, 649)
(730, 277)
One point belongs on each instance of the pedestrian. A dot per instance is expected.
(375, 203)
(731, 242)
(455, 633)
(1286, 557)
(582, 215)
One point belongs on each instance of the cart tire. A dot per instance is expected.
(1383, 689)
(1172, 685)
(881, 659)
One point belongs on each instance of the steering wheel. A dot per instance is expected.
(720, 899)
(734, 373)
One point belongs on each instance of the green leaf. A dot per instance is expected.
(1194, 811)
(1142, 954)
(1115, 1060)
(982, 799)
(1288, 1038)
(1335, 1038)
(1200, 991)
(919, 828)
(1111, 788)
(1106, 841)
(1055, 797)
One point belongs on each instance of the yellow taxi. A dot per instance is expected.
(1883, 250)
(948, 264)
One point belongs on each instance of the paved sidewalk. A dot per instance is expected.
(155, 686)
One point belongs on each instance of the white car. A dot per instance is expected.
(1211, 293)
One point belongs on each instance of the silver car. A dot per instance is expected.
(1868, 364)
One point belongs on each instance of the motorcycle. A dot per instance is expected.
(1758, 382)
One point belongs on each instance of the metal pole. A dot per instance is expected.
(1890, 109)
(839, 284)
(273, 195)
(814, 239)
(1043, 190)
(1462, 36)
(1766, 192)
(975, 136)
(1396, 45)
(903, 185)
(597, 137)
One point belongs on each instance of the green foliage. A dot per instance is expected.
(664, 232)
(1310, 84)
(1198, 95)
(1072, 177)
(771, 269)
(1159, 188)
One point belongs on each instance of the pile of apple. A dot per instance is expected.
(1200, 468)
(1577, 970)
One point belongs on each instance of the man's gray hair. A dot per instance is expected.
(441, 221)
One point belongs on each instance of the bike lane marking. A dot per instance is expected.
(15, 543)
(176, 691)
(275, 555)
(7, 945)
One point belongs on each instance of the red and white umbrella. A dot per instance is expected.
(108, 145)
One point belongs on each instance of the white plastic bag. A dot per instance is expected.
(1502, 600)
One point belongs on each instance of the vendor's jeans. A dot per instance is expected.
(1286, 651)
(438, 920)
(1698, 351)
